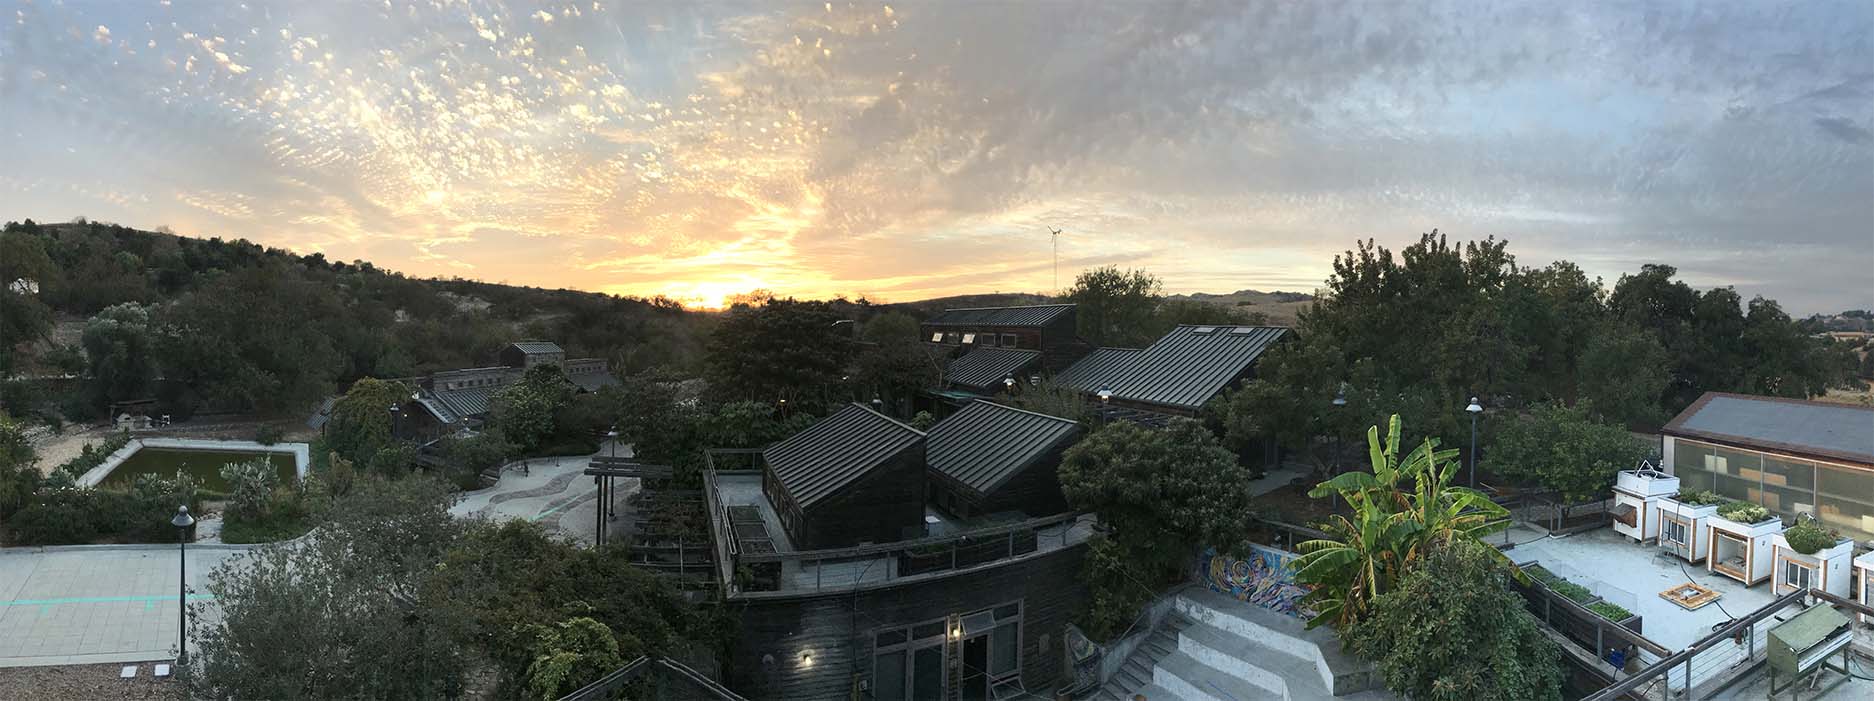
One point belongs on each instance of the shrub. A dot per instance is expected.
(1610, 611)
(250, 489)
(1744, 512)
(1698, 497)
(93, 454)
(1808, 537)
(1453, 631)
(573, 654)
(67, 515)
(1574, 592)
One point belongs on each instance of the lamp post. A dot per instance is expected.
(1008, 385)
(396, 420)
(878, 405)
(1474, 409)
(1106, 400)
(1340, 402)
(611, 440)
(182, 521)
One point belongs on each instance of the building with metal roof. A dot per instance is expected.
(1180, 371)
(989, 458)
(1791, 456)
(1033, 316)
(852, 477)
(526, 354)
(451, 400)
(984, 369)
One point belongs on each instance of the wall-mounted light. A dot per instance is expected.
(806, 658)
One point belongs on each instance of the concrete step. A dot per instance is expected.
(1273, 633)
(1153, 692)
(1281, 673)
(1186, 677)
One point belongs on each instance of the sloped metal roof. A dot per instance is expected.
(985, 444)
(468, 401)
(1097, 367)
(1816, 429)
(532, 347)
(836, 451)
(1183, 369)
(985, 367)
(1037, 315)
(436, 409)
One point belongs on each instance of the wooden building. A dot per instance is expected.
(526, 354)
(988, 458)
(1050, 329)
(856, 476)
(1794, 457)
(1178, 373)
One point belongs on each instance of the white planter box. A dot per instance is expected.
(1637, 494)
(1682, 528)
(1865, 566)
(1827, 569)
(1741, 551)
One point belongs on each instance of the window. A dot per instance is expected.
(1796, 575)
(952, 337)
(1009, 340)
(1672, 532)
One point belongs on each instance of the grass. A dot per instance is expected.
(1610, 611)
(266, 531)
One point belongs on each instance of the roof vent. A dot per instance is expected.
(1201, 330)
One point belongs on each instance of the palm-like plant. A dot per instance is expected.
(1392, 524)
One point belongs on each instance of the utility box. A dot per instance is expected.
(1801, 645)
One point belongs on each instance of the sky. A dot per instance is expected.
(919, 149)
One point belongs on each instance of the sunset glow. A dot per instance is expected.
(900, 152)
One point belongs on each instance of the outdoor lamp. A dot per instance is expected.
(1340, 396)
(1009, 382)
(1474, 409)
(182, 522)
(1106, 395)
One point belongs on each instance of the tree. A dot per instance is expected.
(1622, 374)
(782, 349)
(1402, 506)
(1115, 306)
(892, 364)
(19, 472)
(525, 411)
(1453, 631)
(346, 612)
(24, 269)
(1563, 449)
(573, 654)
(121, 347)
(1161, 496)
(360, 427)
(1055, 400)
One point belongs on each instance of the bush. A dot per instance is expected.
(1698, 498)
(1808, 537)
(250, 489)
(268, 434)
(93, 454)
(66, 515)
(1610, 611)
(1744, 512)
(1453, 631)
(1574, 592)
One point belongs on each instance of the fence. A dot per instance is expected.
(1708, 667)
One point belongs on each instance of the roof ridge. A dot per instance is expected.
(1017, 306)
(1000, 405)
(874, 412)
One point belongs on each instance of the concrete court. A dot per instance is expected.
(90, 604)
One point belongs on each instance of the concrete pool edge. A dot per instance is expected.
(301, 452)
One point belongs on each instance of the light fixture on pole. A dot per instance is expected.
(1474, 409)
(1008, 383)
(182, 522)
(611, 440)
(1340, 402)
(1106, 399)
(878, 405)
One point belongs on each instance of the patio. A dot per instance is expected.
(1632, 575)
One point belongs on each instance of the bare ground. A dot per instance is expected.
(85, 682)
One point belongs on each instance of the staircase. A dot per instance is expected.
(1215, 648)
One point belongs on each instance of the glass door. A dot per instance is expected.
(976, 668)
(927, 672)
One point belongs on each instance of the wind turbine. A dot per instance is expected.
(1054, 236)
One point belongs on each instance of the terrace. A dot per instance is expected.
(755, 558)
(1634, 576)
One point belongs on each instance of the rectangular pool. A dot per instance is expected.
(203, 466)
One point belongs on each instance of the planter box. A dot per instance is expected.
(1864, 565)
(1741, 551)
(1682, 528)
(1827, 569)
(1637, 494)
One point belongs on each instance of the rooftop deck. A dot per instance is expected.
(769, 565)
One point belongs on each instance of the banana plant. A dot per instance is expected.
(1402, 506)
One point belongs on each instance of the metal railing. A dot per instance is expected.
(842, 569)
(1717, 661)
(660, 674)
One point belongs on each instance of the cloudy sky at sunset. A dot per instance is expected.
(924, 148)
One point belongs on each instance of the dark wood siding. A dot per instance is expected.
(1035, 491)
(835, 632)
(885, 505)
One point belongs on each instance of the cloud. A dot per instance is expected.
(816, 148)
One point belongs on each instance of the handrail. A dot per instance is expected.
(882, 548)
(610, 681)
(698, 679)
(1730, 630)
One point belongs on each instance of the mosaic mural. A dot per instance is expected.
(1263, 578)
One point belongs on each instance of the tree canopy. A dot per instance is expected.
(781, 349)
(1563, 449)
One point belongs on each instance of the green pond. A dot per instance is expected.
(204, 466)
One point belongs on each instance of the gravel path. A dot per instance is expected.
(85, 682)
